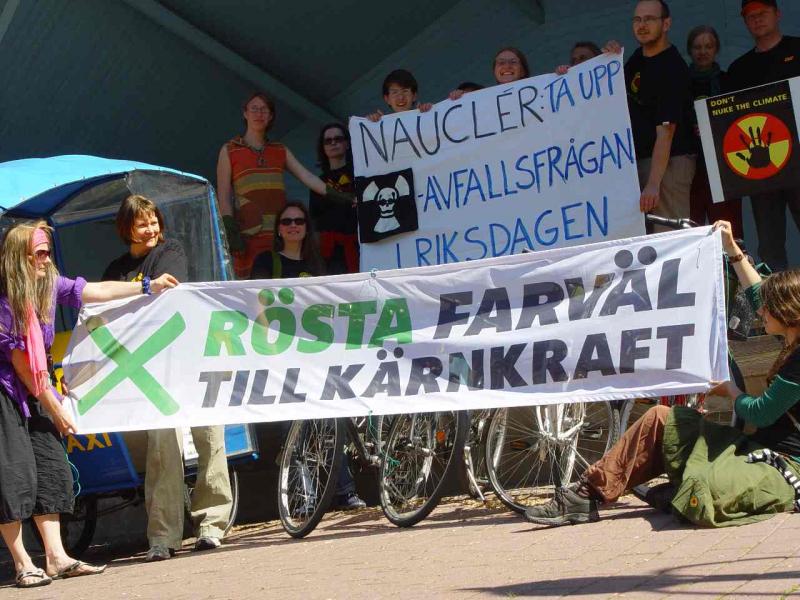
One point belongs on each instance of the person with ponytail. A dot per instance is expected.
(719, 475)
(35, 477)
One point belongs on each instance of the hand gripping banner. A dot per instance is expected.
(619, 319)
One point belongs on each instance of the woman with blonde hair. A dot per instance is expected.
(35, 478)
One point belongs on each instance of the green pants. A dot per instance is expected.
(164, 487)
(717, 487)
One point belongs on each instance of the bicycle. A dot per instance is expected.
(415, 455)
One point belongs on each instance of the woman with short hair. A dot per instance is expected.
(140, 225)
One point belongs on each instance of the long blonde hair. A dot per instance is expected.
(780, 295)
(18, 281)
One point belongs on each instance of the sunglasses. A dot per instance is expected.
(286, 221)
(333, 140)
(42, 254)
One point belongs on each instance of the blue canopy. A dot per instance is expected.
(38, 186)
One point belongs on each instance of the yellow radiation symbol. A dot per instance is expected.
(757, 146)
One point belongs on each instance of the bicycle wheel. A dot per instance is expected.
(532, 450)
(190, 482)
(421, 452)
(77, 528)
(309, 467)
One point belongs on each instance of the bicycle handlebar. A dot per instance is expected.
(671, 223)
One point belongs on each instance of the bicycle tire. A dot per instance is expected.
(77, 528)
(190, 481)
(422, 451)
(532, 450)
(310, 461)
(234, 478)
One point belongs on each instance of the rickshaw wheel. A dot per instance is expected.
(77, 529)
(187, 499)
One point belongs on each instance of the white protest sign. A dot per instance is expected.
(620, 319)
(541, 163)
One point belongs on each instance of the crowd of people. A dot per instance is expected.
(272, 238)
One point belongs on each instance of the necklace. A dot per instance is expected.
(259, 152)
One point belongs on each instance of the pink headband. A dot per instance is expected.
(39, 237)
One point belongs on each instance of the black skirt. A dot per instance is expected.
(35, 477)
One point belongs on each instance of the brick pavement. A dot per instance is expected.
(465, 551)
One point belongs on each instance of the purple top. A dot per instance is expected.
(67, 292)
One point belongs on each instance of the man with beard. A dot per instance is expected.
(659, 99)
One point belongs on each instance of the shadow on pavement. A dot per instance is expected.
(665, 580)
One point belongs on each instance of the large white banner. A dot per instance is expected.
(619, 319)
(541, 163)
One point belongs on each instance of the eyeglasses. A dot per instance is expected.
(503, 62)
(334, 140)
(259, 110)
(646, 20)
(286, 221)
(42, 254)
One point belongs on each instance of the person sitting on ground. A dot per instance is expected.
(580, 53)
(140, 225)
(400, 94)
(509, 65)
(337, 225)
(295, 254)
(35, 476)
(715, 469)
(250, 185)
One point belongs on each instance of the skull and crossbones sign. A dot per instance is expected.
(387, 200)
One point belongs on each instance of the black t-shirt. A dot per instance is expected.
(167, 257)
(758, 68)
(659, 91)
(332, 216)
(263, 267)
(783, 436)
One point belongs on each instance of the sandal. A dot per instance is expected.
(42, 578)
(78, 569)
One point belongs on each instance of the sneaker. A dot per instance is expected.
(566, 508)
(207, 542)
(349, 501)
(159, 552)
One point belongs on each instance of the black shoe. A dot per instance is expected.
(566, 508)
(658, 496)
(349, 501)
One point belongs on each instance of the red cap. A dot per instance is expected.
(749, 6)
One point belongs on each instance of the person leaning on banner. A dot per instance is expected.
(337, 224)
(141, 226)
(659, 101)
(717, 471)
(775, 57)
(580, 53)
(250, 186)
(35, 477)
(708, 79)
(295, 254)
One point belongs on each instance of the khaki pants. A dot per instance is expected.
(676, 186)
(636, 458)
(164, 487)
